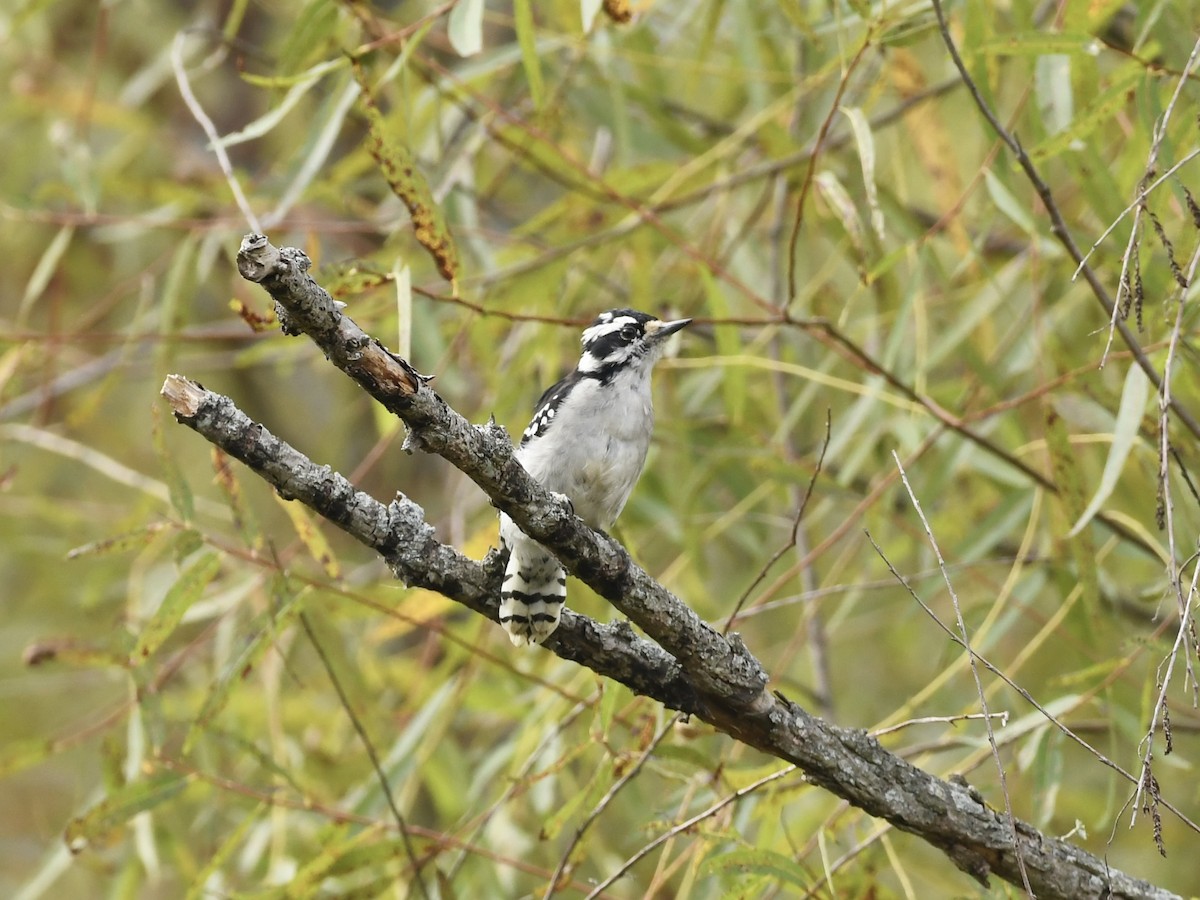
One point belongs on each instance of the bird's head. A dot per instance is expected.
(621, 337)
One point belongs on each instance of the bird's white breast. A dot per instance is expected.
(595, 447)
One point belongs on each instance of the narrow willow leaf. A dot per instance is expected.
(835, 194)
(73, 652)
(768, 864)
(1056, 99)
(200, 888)
(866, 154)
(299, 87)
(313, 27)
(186, 591)
(1125, 433)
(1007, 203)
(729, 346)
(607, 708)
(581, 802)
(1095, 114)
(178, 489)
(283, 82)
(311, 536)
(19, 755)
(119, 807)
(588, 10)
(527, 38)
(265, 630)
(130, 540)
(225, 478)
(1037, 43)
(1068, 478)
(308, 879)
(44, 270)
(465, 28)
(407, 182)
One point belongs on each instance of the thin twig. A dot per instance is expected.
(1058, 224)
(685, 825)
(966, 642)
(1160, 132)
(1028, 697)
(369, 746)
(932, 720)
(602, 805)
(762, 573)
(806, 184)
(1134, 204)
(1174, 568)
(198, 113)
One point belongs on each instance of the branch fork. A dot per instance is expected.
(687, 666)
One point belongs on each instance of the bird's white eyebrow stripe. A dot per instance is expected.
(598, 331)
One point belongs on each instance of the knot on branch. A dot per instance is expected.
(407, 535)
(414, 442)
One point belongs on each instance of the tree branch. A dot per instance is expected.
(693, 668)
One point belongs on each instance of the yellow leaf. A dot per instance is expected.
(311, 536)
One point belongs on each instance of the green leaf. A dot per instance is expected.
(1095, 114)
(178, 489)
(527, 38)
(465, 28)
(47, 265)
(1007, 203)
(310, 534)
(1037, 43)
(773, 866)
(407, 181)
(19, 755)
(729, 346)
(119, 807)
(266, 629)
(1125, 433)
(866, 155)
(200, 888)
(576, 807)
(1065, 464)
(1056, 99)
(186, 591)
(131, 540)
(610, 693)
(588, 10)
(313, 28)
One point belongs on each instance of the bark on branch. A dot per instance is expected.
(688, 666)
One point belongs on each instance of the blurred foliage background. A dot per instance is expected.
(167, 711)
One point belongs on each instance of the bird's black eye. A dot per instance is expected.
(629, 333)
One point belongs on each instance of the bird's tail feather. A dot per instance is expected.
(532, 594)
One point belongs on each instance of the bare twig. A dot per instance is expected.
(966, 643)
(633, 771)
(944, 720)
(1182, 645)
(198, 113)
(791, 542)
(1139, 205)
(369, 746)
(1028, 697)
(685, 825)
(1058, 224)
(806, 185)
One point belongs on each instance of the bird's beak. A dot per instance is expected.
(657, 330)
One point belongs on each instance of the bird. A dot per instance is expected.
(587, 441)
